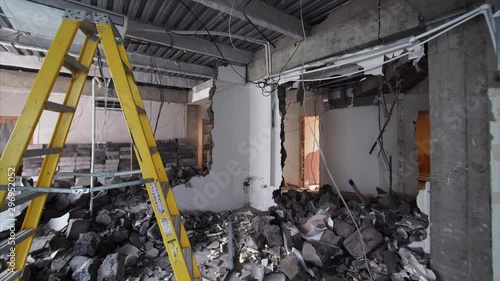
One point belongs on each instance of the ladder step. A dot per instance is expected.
(19, 237)
(56, 107)
(127, 69)
(140, 110)
(41, 152)
(176, 221)
(73, 64)
(187, 252)
(21, 199)
(7, 275)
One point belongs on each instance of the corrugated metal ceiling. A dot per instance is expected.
(172, 15)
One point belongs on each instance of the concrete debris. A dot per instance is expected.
(112, 268)
(103, 217)
(290, 266)
(77, 261)
(75, 227)
(87, 271)
(305, 236)
(275, 277)
(273, 235)
(371, 237)
(86, 245)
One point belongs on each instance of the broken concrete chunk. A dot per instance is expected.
(136, 239)
(112, 268)
(77, 261)
(125, 222)
(131, 254)
(75, 227)
(390, 262)
(292, 236)
(103, 217)
(342, 228)
(86, 271)
(59, 242)
(154, 232)
(60, 261)
(388, 201)
(255, 241)
(214, 245)
(152, 253)
(86, 245)
(290, 266)
(40, 243)
(330, 238)
(275, 277)
(119, 235)
(371, 237)
(292, 194)
(260, 223)
(320, 254)
(273, 235)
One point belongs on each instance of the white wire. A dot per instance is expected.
(321, 151)
(390, 60)
(230, 38)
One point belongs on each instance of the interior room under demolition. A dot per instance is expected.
(249, 140)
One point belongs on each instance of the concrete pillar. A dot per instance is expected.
(460, 64)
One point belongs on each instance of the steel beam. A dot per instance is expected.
(260, 14)
(157, 35)
(41, 43)
(34, 63)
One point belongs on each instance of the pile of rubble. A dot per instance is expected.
(120, 241)
(303, 237)
(318, 239)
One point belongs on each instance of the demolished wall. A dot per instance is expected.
(346, 139)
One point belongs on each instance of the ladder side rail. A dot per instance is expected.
(144, 157)
(39, 94)
(160, 168)
(59, 136)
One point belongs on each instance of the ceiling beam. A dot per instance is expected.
(42, 43)
(35, 63)
(157, 35)
(431, 10)
(260, 14)
(153, 34)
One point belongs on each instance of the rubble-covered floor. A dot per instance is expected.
(303, 237)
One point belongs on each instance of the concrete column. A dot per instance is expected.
(460, 63)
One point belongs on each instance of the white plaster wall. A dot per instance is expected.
(346, 139)
(263, 137)
(111, 125)
(242, 138)
(494, 95)
(222, 188)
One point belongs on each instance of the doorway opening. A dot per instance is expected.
(309, 152)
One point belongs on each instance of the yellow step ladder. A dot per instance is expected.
(98, 29)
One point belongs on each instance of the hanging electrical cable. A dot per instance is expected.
(254, 26)
(356, 223)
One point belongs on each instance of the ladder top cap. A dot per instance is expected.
(95, 17)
